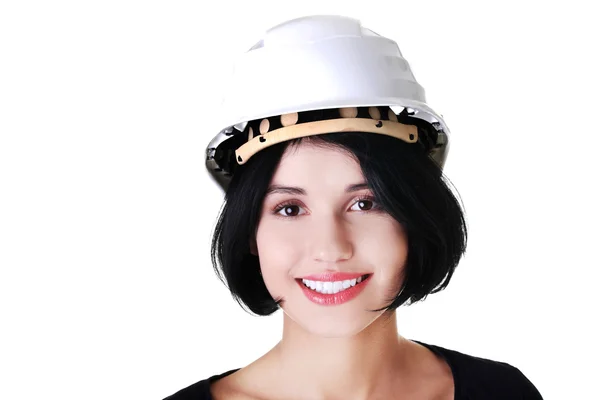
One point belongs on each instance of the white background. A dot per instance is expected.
(106, 211)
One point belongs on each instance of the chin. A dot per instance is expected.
(333, 326)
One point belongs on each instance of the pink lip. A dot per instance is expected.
(335, 298)
(334, 276)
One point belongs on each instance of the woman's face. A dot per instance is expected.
(319, 218)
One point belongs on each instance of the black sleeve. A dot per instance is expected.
(197, 391)
(529, 390)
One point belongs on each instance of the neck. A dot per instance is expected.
(349, 367)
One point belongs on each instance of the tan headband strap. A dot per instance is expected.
(407, 133)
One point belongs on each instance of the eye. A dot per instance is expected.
(288, 210)
(363, 205)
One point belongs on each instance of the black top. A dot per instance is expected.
(474, 378)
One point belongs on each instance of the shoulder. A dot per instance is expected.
(477, 377)
(199, 390)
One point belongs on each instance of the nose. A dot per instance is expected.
(331, 241)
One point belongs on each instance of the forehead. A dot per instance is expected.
(317, 165)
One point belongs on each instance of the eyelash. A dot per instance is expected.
(374, 208)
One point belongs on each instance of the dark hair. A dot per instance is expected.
(405, 181)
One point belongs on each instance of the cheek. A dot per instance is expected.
(278, 247)
(279, 253)
(386, 247)
(385, 234)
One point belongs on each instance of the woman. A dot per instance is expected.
(337, 212)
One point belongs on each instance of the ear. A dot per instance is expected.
(253, 247)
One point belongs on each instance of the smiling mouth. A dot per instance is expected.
(332, 287)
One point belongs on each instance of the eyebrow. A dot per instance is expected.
(299, 191)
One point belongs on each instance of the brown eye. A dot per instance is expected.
(364, 205)
(291, 211)
(288, 210)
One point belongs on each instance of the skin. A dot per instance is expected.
(343, 351)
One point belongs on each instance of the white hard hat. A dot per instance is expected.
(322, 62)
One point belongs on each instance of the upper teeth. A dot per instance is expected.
(331, 287)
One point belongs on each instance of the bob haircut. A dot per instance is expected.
(404, 180)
